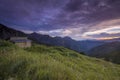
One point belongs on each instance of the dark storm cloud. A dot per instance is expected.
(47, 15)
(30, 12)
(89, 12)
(93, 10)
(54, 14)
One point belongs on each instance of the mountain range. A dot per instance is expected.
(79, 46)
(107, 49)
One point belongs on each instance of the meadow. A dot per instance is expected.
(41, 62)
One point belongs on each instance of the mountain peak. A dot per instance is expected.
(6, 32)
(68, 38)
(2, 26)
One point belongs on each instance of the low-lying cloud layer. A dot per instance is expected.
(74, 18)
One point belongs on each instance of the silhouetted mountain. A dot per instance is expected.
(55, 41)
(108, 51)
(86, 45)
(6, 32)
(80, 46)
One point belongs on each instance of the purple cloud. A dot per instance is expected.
(47, 15)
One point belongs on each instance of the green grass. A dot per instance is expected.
(52, 63)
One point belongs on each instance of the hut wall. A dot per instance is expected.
(23, 44)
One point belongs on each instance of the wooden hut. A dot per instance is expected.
(22, 42)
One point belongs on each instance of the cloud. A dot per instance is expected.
(105, 35)
(113, 32)
(33, 12)
(115, 29)
(54, 14)
(57, 32)
(74, 18)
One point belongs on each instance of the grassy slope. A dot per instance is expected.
(52, 63)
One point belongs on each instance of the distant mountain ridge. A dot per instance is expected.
(55, 41)
(108, 51)
(79, 46)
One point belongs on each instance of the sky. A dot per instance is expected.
(78, 19)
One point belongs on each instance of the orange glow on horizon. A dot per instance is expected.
(107, 38)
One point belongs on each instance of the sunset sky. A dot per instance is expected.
(78, 19)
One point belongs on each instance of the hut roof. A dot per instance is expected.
(19, 39)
